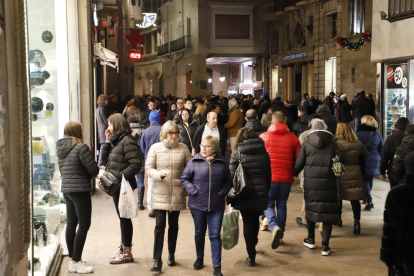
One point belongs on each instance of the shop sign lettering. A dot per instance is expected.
(397, 76)
(301, 55)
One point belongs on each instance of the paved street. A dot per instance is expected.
(351, 255)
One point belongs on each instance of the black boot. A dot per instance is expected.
(199, 263)
(357, 227)
(171, 260)
(141, 191)
(157, 266)
(250, 261)
(217, 271)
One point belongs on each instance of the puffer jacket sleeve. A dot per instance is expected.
(151, 163)
(340, 154)
(88, 162)
(105, 153)
(133, 156)
(381, 143)
(301, 160)
(227, 184)
(390, 231)
(398, 168)
(186, 179)
(234, 162)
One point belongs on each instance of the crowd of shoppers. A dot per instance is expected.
(182, 145)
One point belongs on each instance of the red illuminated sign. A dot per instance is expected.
(134, 55)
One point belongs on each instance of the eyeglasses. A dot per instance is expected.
(205, 146)
(174, 133)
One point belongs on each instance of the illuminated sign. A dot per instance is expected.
(148, 21)
(134, 55)
(301, 55)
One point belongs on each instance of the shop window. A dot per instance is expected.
(357, 16)
(331, 26)
(400, 9)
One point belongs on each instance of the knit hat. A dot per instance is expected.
(154, 116)
(343, 97)
(409, 163)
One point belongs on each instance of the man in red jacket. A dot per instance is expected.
(283, 148)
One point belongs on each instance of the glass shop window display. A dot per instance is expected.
(44, 61)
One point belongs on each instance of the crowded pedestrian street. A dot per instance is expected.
(351, 255)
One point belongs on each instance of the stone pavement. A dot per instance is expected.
(351, 255)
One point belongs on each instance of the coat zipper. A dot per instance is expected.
(209, 186)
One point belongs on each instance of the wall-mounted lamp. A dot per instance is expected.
(210, 80)
(222, 78)
(384, 16)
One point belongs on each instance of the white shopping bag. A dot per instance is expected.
(127, 205)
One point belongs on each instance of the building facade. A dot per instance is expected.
(308, 54)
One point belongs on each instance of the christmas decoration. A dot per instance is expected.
(344, 43)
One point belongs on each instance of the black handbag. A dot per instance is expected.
(109, 184)
(241, 183)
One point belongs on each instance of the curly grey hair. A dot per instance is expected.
(318, 124)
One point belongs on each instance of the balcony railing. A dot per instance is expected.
(175, 45)
(400, 9)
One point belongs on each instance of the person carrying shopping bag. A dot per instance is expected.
(207, 180)
(121, 156)
(165, 163)
(77, 166)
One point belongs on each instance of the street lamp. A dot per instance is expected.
(210, 80)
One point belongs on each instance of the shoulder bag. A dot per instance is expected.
(109, 184)
(241, 183)
(338, 167)
(193, 152)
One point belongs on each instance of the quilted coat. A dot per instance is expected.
(373, 146)
(351, 183)
(321, 189)
(167, 194)
(397, 246)
(301, 125)
(122, 156)
(204, 181)
(401, 152)
(256, 164)
(283, 148)
(388, 152)
(77, 166)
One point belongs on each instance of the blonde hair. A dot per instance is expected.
(73, 130)
(201, 108)
(214, 143)
(369, 121)
(345, 132)
(167, 127)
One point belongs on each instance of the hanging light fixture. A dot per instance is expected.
(222, 78)
(210, 80)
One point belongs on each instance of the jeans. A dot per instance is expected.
(150, 181)
(232, 143)
(159, 232)
(214, 221)
(356, 208)
(357, 124)
(79, 211)
(368, 182)
(327, 231)
(251, 230)
(140, 179)
(126, 224)
(100, 154)
(279, 193)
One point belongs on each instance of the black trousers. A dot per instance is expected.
(327, 231)
(251, 227)
(126, 224)
(159, 232)
(356, 208)
(79, 211)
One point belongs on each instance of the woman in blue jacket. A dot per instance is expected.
(207, 180)
(372, 140)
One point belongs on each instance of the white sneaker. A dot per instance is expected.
(264, 225)
(80, 267)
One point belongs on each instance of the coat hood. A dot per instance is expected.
(304, 119)
(409, 141)
(278, 128)
(328, 118)
(255, 145)
(255, 125)
(320, 138)
(136, 125)
(63, 147)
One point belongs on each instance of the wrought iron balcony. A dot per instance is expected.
(175, 45)
(400, 9)
(178, 44)
(164, 49)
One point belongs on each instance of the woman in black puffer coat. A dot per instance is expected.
(77, 166)
(321, 188)
(256, 164)
(121, 156)
(187, 129)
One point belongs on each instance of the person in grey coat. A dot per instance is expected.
(77, 167)
(102, 115)
(321, 189)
